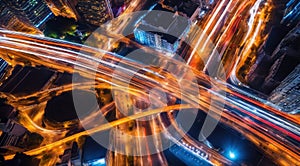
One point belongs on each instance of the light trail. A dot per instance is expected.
(216, 26)
(226, 33)
(258, 27)
(211, 19)
(253, 14)
(254, 37)
(103, 127)
(64, 61)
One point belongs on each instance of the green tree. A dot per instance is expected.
(62, 28)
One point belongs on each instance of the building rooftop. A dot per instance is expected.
(167, 24)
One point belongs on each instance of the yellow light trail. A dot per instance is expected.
(103, 127)
(214, 52)
(267, 136)
(208, 38)
(215, 13)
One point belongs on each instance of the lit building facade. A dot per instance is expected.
(8, 20)
(95, 12)
(30, 12)
(161, 30)
(65, 8)
(270, 70)
(3, 67)
(286, 95)
(292, 13)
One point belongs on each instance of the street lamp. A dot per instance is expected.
(232, 155)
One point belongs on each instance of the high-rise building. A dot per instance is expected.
(162, 29)
(95, 12)
(292, 13)
(278, 72)
(286, 95)
(269, 70)
(3, 66)
(8, 20)
(65, 8)
(33, 13)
